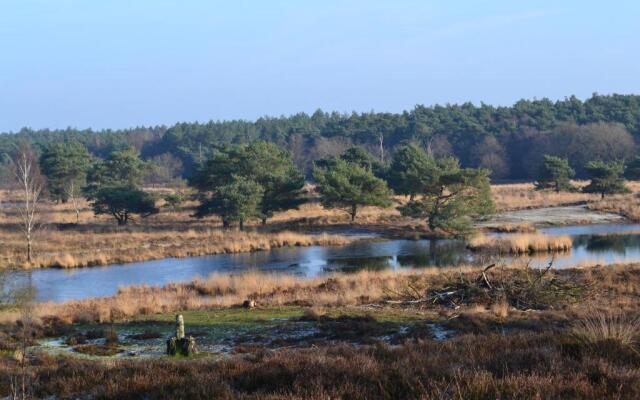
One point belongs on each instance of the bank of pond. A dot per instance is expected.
(590, 245)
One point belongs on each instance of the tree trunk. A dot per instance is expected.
(122, 219)
(354, 210)
(264, 220)
(241, 225)
(29, 250)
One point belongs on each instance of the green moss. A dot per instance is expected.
(228, 316)
(274, 315)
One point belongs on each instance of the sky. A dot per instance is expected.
(117, 64)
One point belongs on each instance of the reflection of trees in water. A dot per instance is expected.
(618, 244)
(354, 264)
(434, 253)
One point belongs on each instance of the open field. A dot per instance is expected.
(174, 233)
(500, 332)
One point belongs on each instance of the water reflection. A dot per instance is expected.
(591, 246)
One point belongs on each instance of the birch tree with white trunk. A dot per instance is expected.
(30, 184)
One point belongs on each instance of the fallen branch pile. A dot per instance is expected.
(525, 288)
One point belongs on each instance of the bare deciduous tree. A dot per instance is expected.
(73, 192)
(30, 185)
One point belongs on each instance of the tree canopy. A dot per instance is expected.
(411, 171)
(510, 141)
(349, 186)
(271, 168)
(606, 178)
(236, 201)
(114, 187)
(632, 169)
(454, 198)
(122, 201)
(65, 165)
(555, 173)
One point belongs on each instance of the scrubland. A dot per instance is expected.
(516, 333)
(175, 233)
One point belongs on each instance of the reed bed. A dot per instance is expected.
(521, 243)
(119, 249)
(619, 287)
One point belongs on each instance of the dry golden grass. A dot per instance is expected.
(98, 241)
(218, 291)
(515, 228)
(625, 205)
(599, 327)
(521, 243)
(517, 196)
(615, 288)
(117, 248)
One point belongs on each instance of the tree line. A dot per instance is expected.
(256, 180)
(508, 141)
(253, 181)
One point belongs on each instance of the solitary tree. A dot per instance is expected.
(113, 187)
(237, 201)
(410, 171)
(606, 178)
(65, 166)
(122, 202)
(349, 186)
(454, 199)
(263, 163)
(555, 173)
(121, 168)
(30, 185)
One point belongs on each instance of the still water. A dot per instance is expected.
(591, 245)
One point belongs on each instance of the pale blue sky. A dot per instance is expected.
(114, 64)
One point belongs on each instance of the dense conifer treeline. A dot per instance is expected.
(509, 141)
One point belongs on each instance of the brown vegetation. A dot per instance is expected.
(526, 365)
(626, 205)
(518, 196)
(520, 286)
(523, 243)
(519, 332)
(174, 233)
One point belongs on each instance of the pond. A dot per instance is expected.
(592, 244)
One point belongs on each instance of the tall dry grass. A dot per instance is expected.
(617, 288)
(599, 327)
(521, 243)
(518, 196)
(626, 205)
(116, 248)
(218, 291)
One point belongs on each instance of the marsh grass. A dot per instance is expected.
(599, 327)
(521, 287)
(521, 243)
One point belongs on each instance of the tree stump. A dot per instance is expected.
(179, 344)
